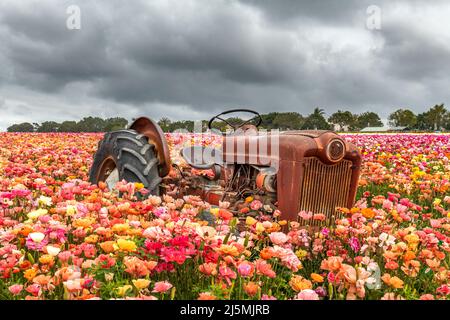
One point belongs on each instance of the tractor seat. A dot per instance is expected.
(201, 157)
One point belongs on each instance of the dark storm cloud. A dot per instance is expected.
(190, 59)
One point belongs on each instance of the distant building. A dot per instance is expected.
(383, 129)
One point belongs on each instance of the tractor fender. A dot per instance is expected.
(155, 135)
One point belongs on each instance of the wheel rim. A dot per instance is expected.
(108, 173)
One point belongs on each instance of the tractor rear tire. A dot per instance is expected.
(134, 157)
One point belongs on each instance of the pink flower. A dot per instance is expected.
(354, 244)
(15, 289)
(427, 297)
(278, 238)
(263, 267)
(34, 289)
(256, 205)
(266, 297)
(305, 215)
(307, 294)
(162, 286)
(246, 269)
(64, 256)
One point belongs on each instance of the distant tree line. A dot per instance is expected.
(87, 124)
(436, 118)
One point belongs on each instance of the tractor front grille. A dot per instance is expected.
(324, 187)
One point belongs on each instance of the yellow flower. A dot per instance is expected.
(250, 221)
(412, 238)
(37, 213)
(122, 291)
(437, 201)
(259, 227)
(71, 210)
(120, 227)
(301, 253)
(139, 186)
(141, 283)
(126, 245)
(214, 211)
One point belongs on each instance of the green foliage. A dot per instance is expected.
(368, 119)
(403, 117)
(344, 119)
(316, 121)
(21, 127)
(88, 124)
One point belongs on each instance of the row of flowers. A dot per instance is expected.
(61, 237)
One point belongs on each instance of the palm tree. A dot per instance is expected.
(436, 116)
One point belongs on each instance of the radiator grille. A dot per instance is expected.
(324, 187)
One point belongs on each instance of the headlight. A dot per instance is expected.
(335, 150)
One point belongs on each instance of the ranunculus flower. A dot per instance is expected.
(141, 283)
(278, 238)
(37, 236)
(15, 289)
(126, 245)
(53, 251)
(307, 294)
(162, 286)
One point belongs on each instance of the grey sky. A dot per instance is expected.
(190, 59)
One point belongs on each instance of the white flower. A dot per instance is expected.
(46, 201)
(37, 236)
(386, 239)
(53, 251)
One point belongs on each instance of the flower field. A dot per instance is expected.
(63, 238)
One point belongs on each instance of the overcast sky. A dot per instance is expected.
(189, 59)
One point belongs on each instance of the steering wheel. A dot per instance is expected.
(235, 127)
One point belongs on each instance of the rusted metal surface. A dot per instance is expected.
(296, 147)
(155, 135)
(324, 187)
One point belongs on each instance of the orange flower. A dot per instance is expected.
(391, 265)
(107, 246)
(409, 255)
(298, 283)
(411, 268)
(331, 264)
(225, 249)
(42, 280)
(93, 238)
(266, 253)
(225, 214)
(251, 288)
(394, 282)
(368, 213)
(206, 296)
(316, 277)
(433, 263)
(30, 274)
